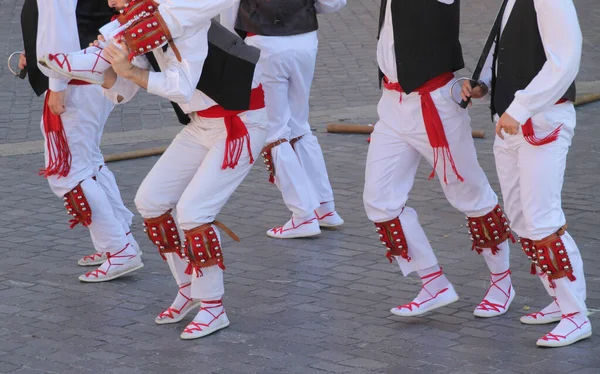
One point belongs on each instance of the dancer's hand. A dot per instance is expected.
(473, 93)
(56, 102)
(118, 56)
(22, 61)
(508, 124)
(96, 42)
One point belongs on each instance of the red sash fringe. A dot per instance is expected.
(433, 122)
(237, 133)
(529, 134)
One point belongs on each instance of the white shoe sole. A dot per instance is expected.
(542, 321)
(564, 343)
(83, 278)
(180, 316)
(330, 225)
(408, 313)
(293, 236)
(490, 314)
(203, 333)
(46, 63)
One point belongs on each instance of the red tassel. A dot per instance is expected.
(189, 269)
(222, 266)
(271, 178)
(571, 277)
(533, 270)
(59, 154)
(530, 137)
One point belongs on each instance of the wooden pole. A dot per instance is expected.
(586, 99)
(135, 154)
(342, 128)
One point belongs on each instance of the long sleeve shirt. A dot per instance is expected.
(177, 80)
(57, 31)
(562, 40)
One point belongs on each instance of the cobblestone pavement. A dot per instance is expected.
(300, 306)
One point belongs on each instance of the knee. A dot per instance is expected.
(144, 202)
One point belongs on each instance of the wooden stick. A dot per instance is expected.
(586, 99)
(342, 128)
(135, 154)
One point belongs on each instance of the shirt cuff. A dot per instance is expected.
(57, 85)
(520, 113)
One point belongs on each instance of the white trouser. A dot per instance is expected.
(531, 180)
(398, 142)
(189, 177)
(87, 110)
(288, 66)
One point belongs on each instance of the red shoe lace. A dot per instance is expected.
(170, 312)
(60, 63)
(281, 229)
(555, 337)
(330, 214)
(433, 277)
(198, 326)
(542, 314)
(488, 306)
(96, 273)
(92, 257)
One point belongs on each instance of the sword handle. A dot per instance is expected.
(23, 73)
(464, 103)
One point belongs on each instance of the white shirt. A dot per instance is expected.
(177, 81)
(57, 32)
(386, 57)
(562, 39)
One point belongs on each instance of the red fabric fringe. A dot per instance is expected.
(237, 133)
(59, 154)
(433, 122)
(530, 137)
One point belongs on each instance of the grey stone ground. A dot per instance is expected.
(301, 306)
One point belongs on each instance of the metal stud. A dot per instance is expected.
(155, 234)
(198, 245)
(566, 267)
(381, 235)
(558, 244)
(157, 242)
(173, 229)
(176, 242)
(393, 225)
(214, 239)
(154, 229)
(203, 261)
(561, 252)
(196, 238)
(218, 255)
(75, 191)
(154, 24)
(163, 38)
(133, 35)
(211, 232)
(141, 49)
(398, 240)
(490, 219)
(216, 247)
(169, 222)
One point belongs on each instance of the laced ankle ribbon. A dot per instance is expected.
(487, 305)
(427, 279)
(199, 326)
(170, 311)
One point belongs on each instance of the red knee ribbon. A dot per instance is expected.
(393, 238)
(203, 248)
(162, 231)
(550, 256)
(489, 231)
(78, 207)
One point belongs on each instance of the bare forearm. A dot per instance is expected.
(137, 76)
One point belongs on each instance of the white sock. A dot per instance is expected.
(325, 208)
(432, 283)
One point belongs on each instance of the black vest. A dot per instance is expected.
(425, 39)
(227, 72)
(91, 15)
(519, 57)
(276, 17)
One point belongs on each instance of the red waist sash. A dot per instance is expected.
(431, 118)
(59, 154)
(235, 127)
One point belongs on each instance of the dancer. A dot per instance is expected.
(536, 59)
(206, 161)
(292, 155)
(73, 120)
(417, 118)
